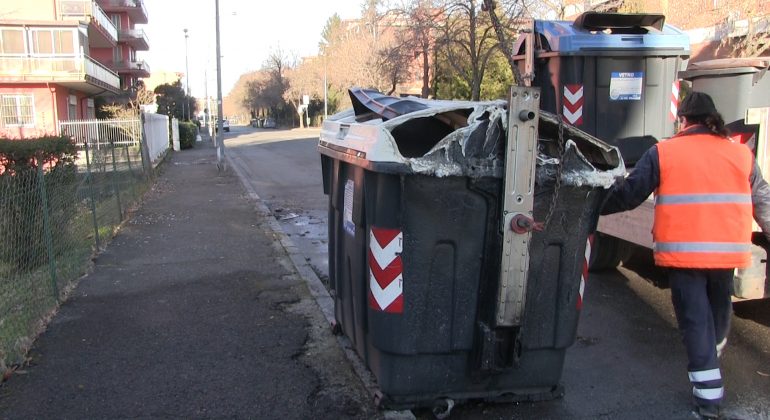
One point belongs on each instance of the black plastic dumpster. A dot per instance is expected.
(415, 247)
(611, 75)
(736, 85)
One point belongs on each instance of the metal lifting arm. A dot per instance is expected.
(518, 203)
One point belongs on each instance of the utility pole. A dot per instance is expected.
(207, 114)
(220, 135)
(186, 72)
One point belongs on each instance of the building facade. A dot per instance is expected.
(57, 56)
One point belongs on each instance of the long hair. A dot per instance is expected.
(713, 121)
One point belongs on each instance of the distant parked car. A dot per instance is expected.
(269, 123)
(225, 126)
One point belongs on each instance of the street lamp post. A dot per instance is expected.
(186, 71)
(220, 135)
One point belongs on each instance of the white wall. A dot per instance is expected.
(157, 135)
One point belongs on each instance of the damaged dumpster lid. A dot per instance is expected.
(445, 138)
(370, 101)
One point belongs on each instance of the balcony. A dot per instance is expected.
(101, 31)
(135, 38)
(136, 68)
(76, 72)
(134, 8)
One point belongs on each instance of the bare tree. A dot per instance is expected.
(418, 36)
(303, 80)
(394, 63)
(504, 32)
(467, 40)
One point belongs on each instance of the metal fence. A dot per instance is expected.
(101, 133)
(52, 222)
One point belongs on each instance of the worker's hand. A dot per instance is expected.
(761, 239)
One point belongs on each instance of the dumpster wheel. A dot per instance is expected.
(442, 408)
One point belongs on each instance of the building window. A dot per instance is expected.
(115, 18)
(52, 41)
(90, 109)
(18, 110)
(117, 55)
(73, 107)
(12, 41)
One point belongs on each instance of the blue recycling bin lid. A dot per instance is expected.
(599, 34)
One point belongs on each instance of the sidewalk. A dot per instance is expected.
(194, 310)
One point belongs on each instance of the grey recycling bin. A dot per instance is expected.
(736, 85)
(611, 75)
(415, 193)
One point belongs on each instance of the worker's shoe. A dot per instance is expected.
(707, 411)
(721, 346)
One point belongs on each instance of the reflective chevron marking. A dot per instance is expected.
(389, 298)
(584, 274)
(386, 270)
(674, 100)
(573, 117)
(572, 110)
(573, 93)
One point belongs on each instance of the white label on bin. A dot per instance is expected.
(626, 86)
(347, 213)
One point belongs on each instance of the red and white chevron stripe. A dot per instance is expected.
(674, 100)
(386, 291)
(584, 274)
(572, 110)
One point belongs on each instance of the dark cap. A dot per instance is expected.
(696, 103)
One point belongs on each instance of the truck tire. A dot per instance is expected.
(608, 252)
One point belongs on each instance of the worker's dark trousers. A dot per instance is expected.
(703, 306)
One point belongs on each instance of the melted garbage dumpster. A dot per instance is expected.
(458, 242)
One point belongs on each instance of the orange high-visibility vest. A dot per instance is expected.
(703, 210)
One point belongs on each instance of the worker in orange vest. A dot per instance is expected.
(706, 189)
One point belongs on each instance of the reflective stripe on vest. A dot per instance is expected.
(703, 199)
(703, 208)
(700, 247)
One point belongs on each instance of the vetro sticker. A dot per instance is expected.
(626, 86)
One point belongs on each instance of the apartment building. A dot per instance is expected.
(57, 56)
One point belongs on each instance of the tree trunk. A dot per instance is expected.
(301, 121)
(425, 71)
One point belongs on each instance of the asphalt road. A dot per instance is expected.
(628, 361)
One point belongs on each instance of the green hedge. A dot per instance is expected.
(187, 133)
(22, 203)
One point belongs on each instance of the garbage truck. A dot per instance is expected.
(739, 88)
(458, 242)
(618, 77)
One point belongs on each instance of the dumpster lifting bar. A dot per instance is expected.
(518, 203)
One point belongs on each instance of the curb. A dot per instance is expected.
(316, 288)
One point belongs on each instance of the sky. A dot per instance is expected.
(249, 31)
